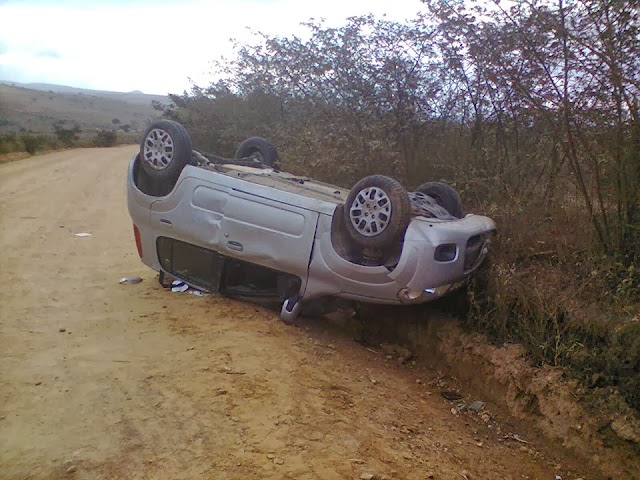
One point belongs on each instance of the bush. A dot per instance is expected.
(9, 143)
(33, 143)
(26, 142)
(105, 138)
(66, 136)
(566, 311)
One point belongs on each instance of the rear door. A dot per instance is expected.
(270, 233)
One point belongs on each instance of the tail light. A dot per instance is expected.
(136, 234)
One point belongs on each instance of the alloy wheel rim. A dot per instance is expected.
(370, 212)
(158, 149)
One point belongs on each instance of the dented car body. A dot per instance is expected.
(240, 229)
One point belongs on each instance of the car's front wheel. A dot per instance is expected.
(377, 211)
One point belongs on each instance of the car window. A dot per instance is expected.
(196, 265)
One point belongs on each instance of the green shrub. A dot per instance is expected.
(105, 138)
(26, 142)
(470, 101)
(66, 136)
(32, 143)
(564, 316)
(9, 143)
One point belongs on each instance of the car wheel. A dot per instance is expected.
(444, 195)
(377, 211)
(165, 150)
(258, 149)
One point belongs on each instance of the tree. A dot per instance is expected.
(356, 92)
(567, 72)
(106, 138)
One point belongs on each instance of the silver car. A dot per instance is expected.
(242, 227)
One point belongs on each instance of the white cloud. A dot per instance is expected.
(151, 46)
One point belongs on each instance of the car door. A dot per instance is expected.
(267, 232)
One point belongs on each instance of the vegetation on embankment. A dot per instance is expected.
(531, 112)
(33, 143)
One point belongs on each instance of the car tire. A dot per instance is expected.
(377, 211)
(444, 195)
(258, 149)
(165, 149)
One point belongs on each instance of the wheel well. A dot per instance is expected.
(340, 238)
(148, 185)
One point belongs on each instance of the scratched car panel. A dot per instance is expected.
(242, 227)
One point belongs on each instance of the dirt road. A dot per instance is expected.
(102, 380)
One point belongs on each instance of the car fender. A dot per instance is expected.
(330, 274)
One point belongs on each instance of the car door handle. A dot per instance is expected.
(164, 220)
(234, 245)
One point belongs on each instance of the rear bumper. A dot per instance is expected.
(139, 206)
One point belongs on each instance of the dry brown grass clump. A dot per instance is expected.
(546, 287)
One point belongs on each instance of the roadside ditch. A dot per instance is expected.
(597, 426)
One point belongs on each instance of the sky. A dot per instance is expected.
(154, 46)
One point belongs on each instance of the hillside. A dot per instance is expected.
(135, 97)
(36, 109)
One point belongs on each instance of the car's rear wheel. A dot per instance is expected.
(444, 195)
(165, 150)
(377, 211)
(259, 149)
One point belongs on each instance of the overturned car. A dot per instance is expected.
(242, 227)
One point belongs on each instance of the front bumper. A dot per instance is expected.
(418, 271)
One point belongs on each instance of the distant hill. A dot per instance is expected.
(136, 96)
(35, 107)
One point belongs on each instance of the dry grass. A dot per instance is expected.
(547, 288)
(19, 146)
